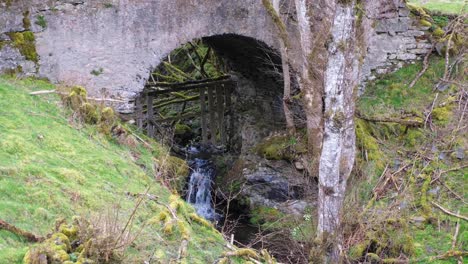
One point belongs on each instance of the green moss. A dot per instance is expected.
(107, 120)
(277, 20)
(413, 137)
(26, 21)
(358, 251)
(261, 215)
(25, 42)
(425, 23)
(424, 203)
(442, 115)
(181, 129)
(282, 147)
(367, 142)
(438, 32)
(89, 113)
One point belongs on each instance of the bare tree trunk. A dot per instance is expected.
(329, 73)
(338, 150)
(285, 67)
(314, 61)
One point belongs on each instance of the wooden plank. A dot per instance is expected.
(230, 123)
(204, 81)
(203, 115)
(211, 110)
(150, 117)
(155, 90)
(220, 112)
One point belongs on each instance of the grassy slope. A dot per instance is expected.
(420, 149)
(49, 170)
(444, 6)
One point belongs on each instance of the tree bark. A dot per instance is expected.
(338, 152)
(328, 78)
(314, 61)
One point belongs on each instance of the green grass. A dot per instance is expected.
(49, 169)
(419, 149)
(443, 6)
(390, 96)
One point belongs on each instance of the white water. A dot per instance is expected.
(199, 189)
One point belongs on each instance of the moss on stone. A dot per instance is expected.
(278, 21)
(263, 214)
(25, 42)
(425, 23)
(182, 129)
(282, 147)
(26, 20)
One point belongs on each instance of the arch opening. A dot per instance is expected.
(218, 102)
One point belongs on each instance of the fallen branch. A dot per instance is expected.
(452, 254)
(448, 212)
(416, 122)
(15, 230)
(457, 229)
(89, 98)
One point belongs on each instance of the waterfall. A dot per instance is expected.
(199, 188)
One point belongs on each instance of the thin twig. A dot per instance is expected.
(448, 212)
(425, 67)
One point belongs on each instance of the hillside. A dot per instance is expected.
(52, 168)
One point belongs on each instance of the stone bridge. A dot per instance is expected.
(112, 46)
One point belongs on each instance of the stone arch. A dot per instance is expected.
(127, 40)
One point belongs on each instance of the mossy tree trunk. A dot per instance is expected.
(328, 78)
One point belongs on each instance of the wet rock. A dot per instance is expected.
(275, 184)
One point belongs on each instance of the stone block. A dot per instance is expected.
(406, 56)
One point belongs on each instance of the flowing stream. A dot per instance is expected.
(200, 187)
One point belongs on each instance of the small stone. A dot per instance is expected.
(434, 191)
(460, 153)
(443, 86)
(299, 165)
(442, 156)
(418, 220)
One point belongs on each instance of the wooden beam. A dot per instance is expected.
(230, 123)
(154, 91)
(211, 110)
(220, 112)
(172, 85)
(150, 117)
(203, 115)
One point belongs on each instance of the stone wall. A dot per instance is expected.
(396, 39)
(110, 47)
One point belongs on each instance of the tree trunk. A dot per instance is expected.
(284, 43)
(338, 150)
(328, 77)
